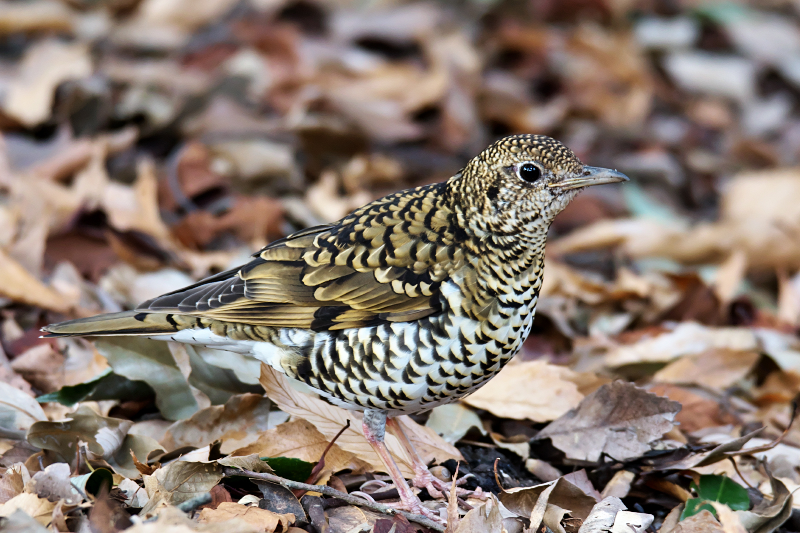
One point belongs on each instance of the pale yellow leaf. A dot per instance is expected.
(263, 519)
(535, 390)
(39, 508)
(16, 283)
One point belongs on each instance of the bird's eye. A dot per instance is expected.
(529, 172)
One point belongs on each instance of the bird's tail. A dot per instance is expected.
(124, 323)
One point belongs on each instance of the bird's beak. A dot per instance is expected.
(591, 176)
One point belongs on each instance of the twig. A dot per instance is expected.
(736, 467)
(194, 503)
(314, 477)
(333, 493)
(771, 445)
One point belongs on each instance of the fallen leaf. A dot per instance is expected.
(769, 514)
(561, 492)
(716, 368)
(602, 515)
(702, 522)
(263, 519)
(39, 508)
(250, 462)
(698, 411)
(683, 461)
(535, 390)
(483, 519)
(41, 365)
(13, 481)
(171, 520)
(453, 421)
(236, 424)
(630, 522)
(301, 440)
(16, 283)
(18, 410)
(140, 359)
(103, 436)
(619, 420)
(620, 484)
(54, 484)
(329, 420)
(686, 338)
(45, 65)
(136, 207)
(178, 482)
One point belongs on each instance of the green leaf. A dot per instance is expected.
(289, 467)
(94, 482)
(106, 386)
(141, 359)
(720, 489)
(724, 490)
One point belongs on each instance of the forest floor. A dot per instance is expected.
(149, 143)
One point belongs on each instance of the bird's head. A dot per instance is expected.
(523, 178)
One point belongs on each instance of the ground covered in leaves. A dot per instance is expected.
(149, 143)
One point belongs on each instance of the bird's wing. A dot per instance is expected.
(384, 262)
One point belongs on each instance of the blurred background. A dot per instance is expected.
(148, 143)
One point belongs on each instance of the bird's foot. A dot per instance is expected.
(424, 479)
(415, 506)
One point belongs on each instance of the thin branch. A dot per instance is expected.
(771, 445)
(333, 493)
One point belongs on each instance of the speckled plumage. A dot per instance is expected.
(411, 301)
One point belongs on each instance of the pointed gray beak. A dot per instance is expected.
(591, 176)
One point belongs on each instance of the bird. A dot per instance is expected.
(412, 301)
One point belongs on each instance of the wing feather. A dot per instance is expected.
(383, 262)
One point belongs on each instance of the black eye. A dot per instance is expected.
(529, 172)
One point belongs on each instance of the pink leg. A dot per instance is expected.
(423, 479)
(374, 426)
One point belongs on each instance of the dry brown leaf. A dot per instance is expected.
(237, 423)
(136, 207)
(172, 520)
(698, 411)
(758, 217)
(39, 508)
(702, 522)
(769, 514)
(731, 523)
(13, 481)
(687, 338)
(301, 440)
(263, 519)
(178, 482)
(717, 368)
(619, 420)
(329, 420)
(483, 519)
(16, 283)
(535, 390)
(45, 65)
(561, 492)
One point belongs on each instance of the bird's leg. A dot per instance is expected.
(423, 478)
(374, 425)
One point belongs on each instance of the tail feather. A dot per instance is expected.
(124, 323)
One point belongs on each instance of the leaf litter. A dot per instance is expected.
(144, 145)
